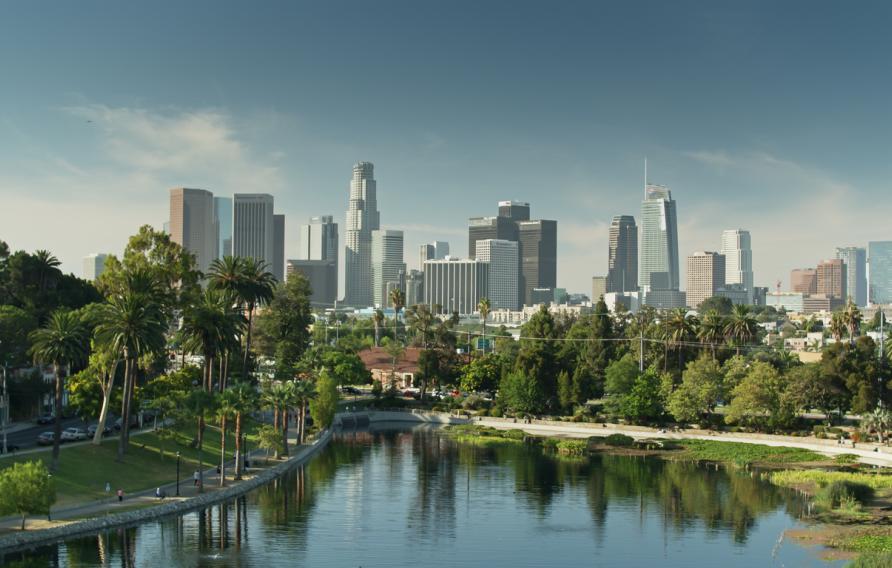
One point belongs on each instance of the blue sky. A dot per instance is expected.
(771, 116)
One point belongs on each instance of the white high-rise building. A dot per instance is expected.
(387, 264)
(436, 250)
(658, 245)
(362, 218)
(253, 229)
(502, 258)
(738, 253)
(94, 264)
(319, 239)
(706, 276)
(192, 224)
(455, 285)
(855, 259)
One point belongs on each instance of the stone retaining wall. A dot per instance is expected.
(31, 539)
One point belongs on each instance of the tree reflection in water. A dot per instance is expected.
(427, 472)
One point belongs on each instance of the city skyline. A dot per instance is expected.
(736, 142)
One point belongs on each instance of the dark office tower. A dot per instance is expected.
(483, 228)
(515, 210)
(622, 256)
(538, 256)
(278, 268)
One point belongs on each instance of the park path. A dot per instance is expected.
(872, 454)
(110, 506)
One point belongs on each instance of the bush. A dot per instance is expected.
(619, 440)
(571, 447)
(495, 411)
(844, 494)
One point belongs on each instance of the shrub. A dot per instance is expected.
(495, 412)
(843, 493)
(571, 447)
(619, 440)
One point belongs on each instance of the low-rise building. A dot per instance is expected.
(399, 374)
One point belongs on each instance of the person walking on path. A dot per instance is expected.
(107, 487)
(120, 495)
(195, 478)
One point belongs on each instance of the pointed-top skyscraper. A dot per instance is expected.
(658, 249)
(362, 219)
(622, 255)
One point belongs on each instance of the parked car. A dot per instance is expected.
(91, 430)
(46, 439)
(46, 419)
(74, 434)
(350, 390)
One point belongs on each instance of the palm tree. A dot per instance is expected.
(484, 308)
(226, 409)
(209, 327)
(200, 403)
(397, 300)
(60, 343)
(304, 391)
(879, 421)
(741, 327)
(378, 320)
(421, 322)
(243, 400)
(851, 317)
(260, 285)
(133, 325)
(275, 396)
(711, 330)
(837, 326)
(679, 328)
(47, 265)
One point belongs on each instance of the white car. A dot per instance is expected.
(74, 434)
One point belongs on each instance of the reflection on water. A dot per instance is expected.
(408, 498)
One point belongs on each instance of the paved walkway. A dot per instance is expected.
(865, 452)
(211, 481)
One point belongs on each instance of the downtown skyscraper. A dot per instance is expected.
(855, 259)
(622, 255)
(388, 266)
(738, 252)
(658, 249)
(192, 224)
(362, 218)
(253, 228)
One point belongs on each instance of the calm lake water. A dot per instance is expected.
(400, 498)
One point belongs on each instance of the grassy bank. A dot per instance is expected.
(745, 454)
(821, 478)
(150, 461)
(484, 435)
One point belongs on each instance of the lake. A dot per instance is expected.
(394, 497)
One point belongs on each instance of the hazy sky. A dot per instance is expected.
(771, 116)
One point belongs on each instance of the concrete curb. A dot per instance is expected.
(32, 539)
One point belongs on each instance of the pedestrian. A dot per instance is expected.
(158, 493)
(195, 478)
(120, 495)
(107, 487)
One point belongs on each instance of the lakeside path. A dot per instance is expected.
(142, 506)
(865, 452)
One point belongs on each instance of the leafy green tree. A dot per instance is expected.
(324, 406)
(645, 400)
(856, 366)
(481, 374)
(521, 393)
(84, 393)
(620, 378)
(286, 322)
(269, 438)
(16, 325)
(537, 356)
(61, 343)
(760, 401)
(26, 488)
(565, 391)
(719, 304)
(809, 388)
(347, 367)
(699, 392)
(734, 370)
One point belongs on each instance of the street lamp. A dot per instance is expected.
(178, 474)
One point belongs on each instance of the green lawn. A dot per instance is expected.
(743, 454)
(84, 470)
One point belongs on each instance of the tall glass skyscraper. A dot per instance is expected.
(387, 264)
(253, 229)
(362, 218)
(622, 256)
(855, 259)
(658, 247)
(738, 253)
(879, 257)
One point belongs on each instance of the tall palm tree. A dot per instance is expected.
(398, 301)
(275, 396)
(226, 409)
(421, 322)
(133, 325)
(484, 307)
(837, 326)
(378, 321)
(679, 329)
(259, 287)
(711, 330)
(209, 327)
(741, 327)
(244, 400)
(851, 317)
(47, 265)
(304, 391)
(61, 342)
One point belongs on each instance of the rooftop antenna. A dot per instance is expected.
(645, 177)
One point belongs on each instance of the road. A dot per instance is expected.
(27, 438)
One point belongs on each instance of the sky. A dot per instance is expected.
(768, 116)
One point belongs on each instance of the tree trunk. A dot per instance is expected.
(23, 521)
(107, 388)
(220, 375)
(57, 430)
(125, 411)
(276, 427)
(248, 341)
(238, 446)
(302, 428)
(222, 451)
(285, 432)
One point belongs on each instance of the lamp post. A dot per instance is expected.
(178, 474)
